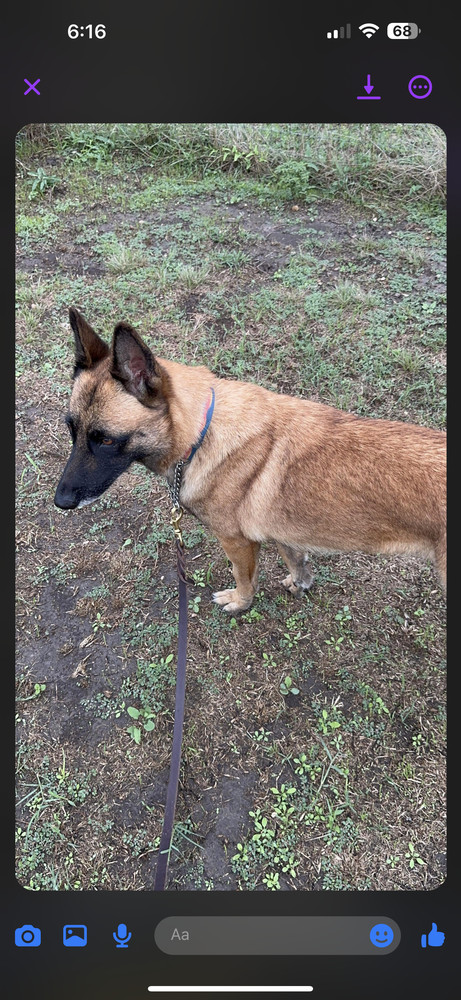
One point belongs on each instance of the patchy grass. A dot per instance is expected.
(315, 730)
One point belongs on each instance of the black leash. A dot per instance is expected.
(173, 780)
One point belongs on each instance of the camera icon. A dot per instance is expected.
(27, 936)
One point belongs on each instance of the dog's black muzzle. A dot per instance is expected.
(85, 479)
(68, 497)
(73, 491)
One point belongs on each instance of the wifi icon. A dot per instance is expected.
(369, 29)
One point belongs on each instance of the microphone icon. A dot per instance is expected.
(122, 936)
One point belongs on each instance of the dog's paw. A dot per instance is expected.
(230, 601)
(298, 588)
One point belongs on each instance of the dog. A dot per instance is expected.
(257, 466)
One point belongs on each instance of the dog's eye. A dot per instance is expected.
(98, 438)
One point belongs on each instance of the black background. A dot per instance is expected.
(216, 61)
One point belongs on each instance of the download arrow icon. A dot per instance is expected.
(368, 86)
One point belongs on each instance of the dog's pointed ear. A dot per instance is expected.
(134, 365)
(89, 348)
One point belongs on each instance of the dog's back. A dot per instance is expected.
(318, 479)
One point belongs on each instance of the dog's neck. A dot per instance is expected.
(205, 423)
(174, 480)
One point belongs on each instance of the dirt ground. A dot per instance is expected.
(314, 733)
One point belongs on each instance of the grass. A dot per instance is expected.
(344, 160)
(310, 259)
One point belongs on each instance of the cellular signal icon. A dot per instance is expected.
(369, 29)
(340, 32)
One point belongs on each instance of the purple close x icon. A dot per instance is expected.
(32, 86)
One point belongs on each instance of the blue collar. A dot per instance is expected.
(207, 415)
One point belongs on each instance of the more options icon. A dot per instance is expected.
(420, 87)
(27, 936)
(74, 935)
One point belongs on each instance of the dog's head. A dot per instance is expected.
(118, 412)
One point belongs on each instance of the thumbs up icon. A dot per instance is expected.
(434, 939)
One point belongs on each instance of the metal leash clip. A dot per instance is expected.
(175, 521)
(177, 511)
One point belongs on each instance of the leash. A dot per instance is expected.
(173, 779)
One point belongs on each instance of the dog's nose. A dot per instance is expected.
(66, 498)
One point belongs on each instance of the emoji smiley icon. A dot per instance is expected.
(381, 935)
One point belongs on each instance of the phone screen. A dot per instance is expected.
(230, 426)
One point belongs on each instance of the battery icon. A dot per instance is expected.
(401, 30)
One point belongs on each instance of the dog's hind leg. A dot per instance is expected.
(441, 561)
(244, 556)
(300, 577)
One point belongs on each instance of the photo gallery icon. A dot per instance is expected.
(74, 935)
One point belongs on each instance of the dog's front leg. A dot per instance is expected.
(244, 556)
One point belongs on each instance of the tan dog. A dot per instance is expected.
(267, 467)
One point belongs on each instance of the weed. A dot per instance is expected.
(304, 766)
(335, 642)
(194, 604)
(268, 661)
(123, 260)
(283, 808)
(45, 805)
(40, 182)
(334, 880)
(326, 724)
(102, 590)
(266, 846)
(99, 624)
(192, 277)
(292, 637)
(253, 615)
(38, 690)
(344, 616)
(293, 179)
(89, 146)
(246, 158)
(63, 572)
(288, 687)
(138, 844)
(144, 717)
(262, 735)
(413, 857)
